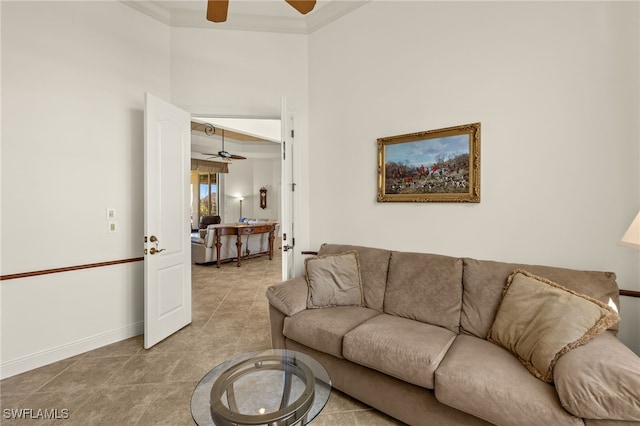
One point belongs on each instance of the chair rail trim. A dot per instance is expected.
(629, 293)
(68, 268)
(623, 292)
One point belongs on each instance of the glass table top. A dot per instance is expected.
(274, 387)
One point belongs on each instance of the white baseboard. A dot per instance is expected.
(39, 359)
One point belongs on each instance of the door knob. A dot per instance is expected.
(156, 241)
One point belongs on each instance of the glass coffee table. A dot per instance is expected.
(272, 387)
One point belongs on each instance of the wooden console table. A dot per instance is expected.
(240, 230)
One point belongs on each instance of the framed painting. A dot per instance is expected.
(440, 165)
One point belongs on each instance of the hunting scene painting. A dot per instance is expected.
(433, 166)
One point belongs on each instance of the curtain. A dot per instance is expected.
(209, 166)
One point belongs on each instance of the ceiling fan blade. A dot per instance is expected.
(217, 10)
(302, 6)
(226, 156)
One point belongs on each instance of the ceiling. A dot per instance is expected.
(252, 138)
(248, 15)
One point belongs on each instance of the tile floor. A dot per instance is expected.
(124, 384)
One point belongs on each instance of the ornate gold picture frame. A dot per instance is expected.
(440, 165)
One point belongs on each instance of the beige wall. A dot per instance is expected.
(73, 81)
(73, 87)
(556, 88)
(246, 74)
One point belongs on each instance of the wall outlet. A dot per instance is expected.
(112, 227)
(111, 213)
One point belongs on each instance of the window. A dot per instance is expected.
(204, 196)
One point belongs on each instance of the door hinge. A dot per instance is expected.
(293, 242)
(293, 187)
(292, 133)
(284, 150)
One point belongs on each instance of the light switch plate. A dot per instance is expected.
(111, 213)
(112, 227)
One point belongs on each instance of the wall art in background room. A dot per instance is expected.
(440, 165)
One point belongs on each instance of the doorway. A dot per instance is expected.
(248, 183)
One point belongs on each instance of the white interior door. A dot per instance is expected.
(288, 189)
(167, 260)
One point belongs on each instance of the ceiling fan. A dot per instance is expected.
(217, 9)
(209, 130)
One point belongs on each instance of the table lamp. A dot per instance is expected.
(240, 198)
(631, 238)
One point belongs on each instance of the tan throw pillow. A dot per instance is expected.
(539, 321)
(334, 280)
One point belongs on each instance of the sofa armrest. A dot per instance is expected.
(276, 321)
(289, 297)
(600, 380)
(210, 235)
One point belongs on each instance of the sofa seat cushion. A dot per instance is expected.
(487, 381)
(593, 386)
(403, 348)
(323, 329)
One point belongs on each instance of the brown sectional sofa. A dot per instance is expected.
(417, 348)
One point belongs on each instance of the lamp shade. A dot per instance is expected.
(631, 238)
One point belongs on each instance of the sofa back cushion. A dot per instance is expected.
(425, 288)
(483, 282)
(374, 265)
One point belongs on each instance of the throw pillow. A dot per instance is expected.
(539, 321)
(334, 280)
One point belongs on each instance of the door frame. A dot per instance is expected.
(200, 114)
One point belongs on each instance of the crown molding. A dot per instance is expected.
(190, 18)
(331, 12)
(151, 8)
